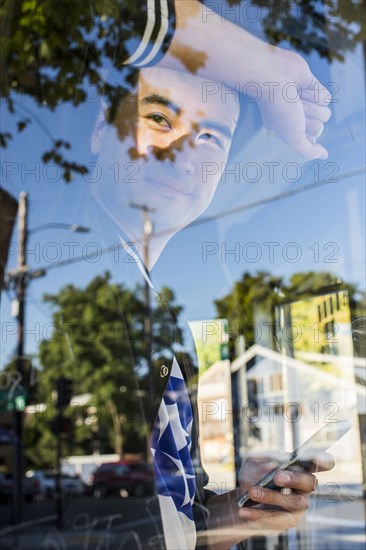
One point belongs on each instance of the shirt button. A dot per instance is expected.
(164, 371)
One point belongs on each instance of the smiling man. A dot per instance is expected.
(163, 134)
(165, 148)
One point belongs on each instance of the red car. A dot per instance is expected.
(124, 478)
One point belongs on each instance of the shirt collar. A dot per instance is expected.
(138, 261)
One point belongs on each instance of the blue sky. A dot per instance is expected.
(330, 217)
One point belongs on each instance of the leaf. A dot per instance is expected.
(51, 54)
(4, 138)
(22, 124)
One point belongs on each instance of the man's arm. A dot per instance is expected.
(221, 51)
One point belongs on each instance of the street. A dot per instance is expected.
(87, 523)
(116, 523)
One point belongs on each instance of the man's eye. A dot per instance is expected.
(160, 120)
(211, 138)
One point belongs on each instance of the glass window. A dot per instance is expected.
(182, 271)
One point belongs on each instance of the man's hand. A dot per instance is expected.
(210, 47)
(300, 480)
(294, 105)
(275, 512)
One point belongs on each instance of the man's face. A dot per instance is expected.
(180, 146)
(185, 138)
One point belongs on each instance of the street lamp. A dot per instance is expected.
(56, 225)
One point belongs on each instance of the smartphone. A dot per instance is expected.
(303, 456)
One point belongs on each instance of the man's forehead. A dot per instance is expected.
(185, 93)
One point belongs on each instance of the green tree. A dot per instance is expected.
(329, 27)
(98, 341)
(238, 307)
(52, 51)
(262, 292)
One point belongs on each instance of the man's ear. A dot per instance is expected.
(99, 129)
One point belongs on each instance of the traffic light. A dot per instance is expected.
(64, 391)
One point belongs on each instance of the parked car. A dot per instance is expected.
(70, 485)
(29, 487)
(45, 481)
(124, 478)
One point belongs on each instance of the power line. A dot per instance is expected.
(275, 198)
(220, 215)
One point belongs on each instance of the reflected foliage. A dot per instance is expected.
(98, 340)
(52, 52)
(256, 296)
(328, 27)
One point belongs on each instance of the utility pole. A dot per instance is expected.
(20, 292)
(148, 230)
(18, 279)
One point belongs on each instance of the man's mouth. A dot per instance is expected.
(168, 187)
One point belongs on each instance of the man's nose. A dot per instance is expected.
(179, 153)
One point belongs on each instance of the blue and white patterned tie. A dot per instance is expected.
(171, 445)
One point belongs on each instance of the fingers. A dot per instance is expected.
(308, 148)
(295, 502)
(315, 117)
(254, 468)
(314, 127)
(300, 123)
(313, 110)
(299, 481)
(315, 100)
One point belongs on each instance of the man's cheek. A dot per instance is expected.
(207, 192)
(213, 166)
(212, 179)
